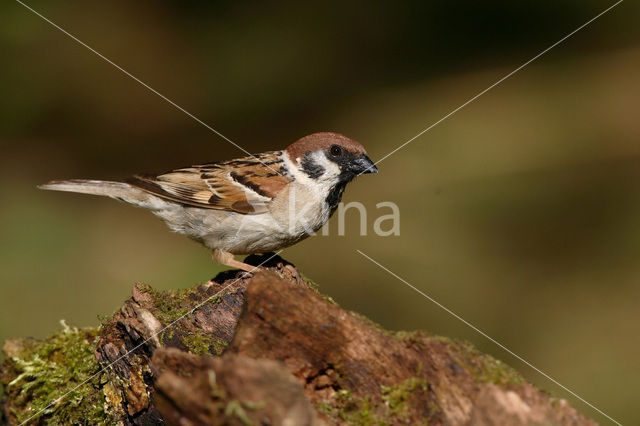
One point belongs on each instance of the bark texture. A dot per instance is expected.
(265, 349)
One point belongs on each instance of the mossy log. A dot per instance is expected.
(260, 349)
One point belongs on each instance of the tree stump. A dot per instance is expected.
(261, 349)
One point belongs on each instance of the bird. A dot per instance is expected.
(256, 204)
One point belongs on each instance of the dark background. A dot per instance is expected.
(520, 212)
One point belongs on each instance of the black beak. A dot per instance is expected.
(363, 165)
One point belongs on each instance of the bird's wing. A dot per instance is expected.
(245, 185)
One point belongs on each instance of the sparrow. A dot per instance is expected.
(256, 204)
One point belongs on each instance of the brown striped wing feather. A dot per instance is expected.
(245, 185)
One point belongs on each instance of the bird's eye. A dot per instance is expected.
(335, 150)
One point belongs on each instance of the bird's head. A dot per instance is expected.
(330, 157)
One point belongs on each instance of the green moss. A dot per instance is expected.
(367, 416)
(404, 335)
(234, 409)
(394, 406)
(312, 284)
(484, 368)
(355, 410)
(170, 305)
(316, 288)
(364, 415)
(450, 342)
(104, 319)
(327, 409)
(397, 397)
(47, 379)
(199, 344)
(412, 338)
(495, 371)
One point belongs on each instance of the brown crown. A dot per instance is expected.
(322, 140)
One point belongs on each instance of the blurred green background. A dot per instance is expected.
(520, 212)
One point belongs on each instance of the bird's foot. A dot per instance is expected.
(227, 259)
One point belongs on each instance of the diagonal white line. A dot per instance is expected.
(146, 340)
(76, 39)
(490, 338)
(498, 82)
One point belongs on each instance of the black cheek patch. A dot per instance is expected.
(311, 168)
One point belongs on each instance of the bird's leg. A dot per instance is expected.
(227, 259)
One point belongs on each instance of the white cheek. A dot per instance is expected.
(331, 169)
(292, 167)
(317, 188)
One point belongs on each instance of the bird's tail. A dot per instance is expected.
(94, 187)
(118, 190)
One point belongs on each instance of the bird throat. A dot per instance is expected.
(335, 196)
